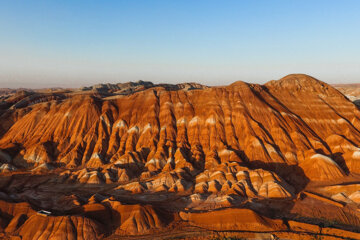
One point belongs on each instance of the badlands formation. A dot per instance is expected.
(187, 161)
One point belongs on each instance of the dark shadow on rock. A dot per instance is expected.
(5, 219)
(292, 174)
(339, 159)
(357, 103)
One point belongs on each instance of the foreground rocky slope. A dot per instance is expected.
(140, 159)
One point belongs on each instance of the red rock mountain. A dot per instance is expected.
(139, 158)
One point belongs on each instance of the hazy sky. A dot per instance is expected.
(79, 43)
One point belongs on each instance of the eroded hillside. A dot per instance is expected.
(158, 161)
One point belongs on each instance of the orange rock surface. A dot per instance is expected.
(126, 159)
(233, 219)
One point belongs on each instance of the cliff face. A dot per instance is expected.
(205, 147)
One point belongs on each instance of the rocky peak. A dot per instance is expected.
(302, 82)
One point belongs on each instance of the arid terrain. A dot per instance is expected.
(159, 161)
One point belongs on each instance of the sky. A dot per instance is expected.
(67, 43)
